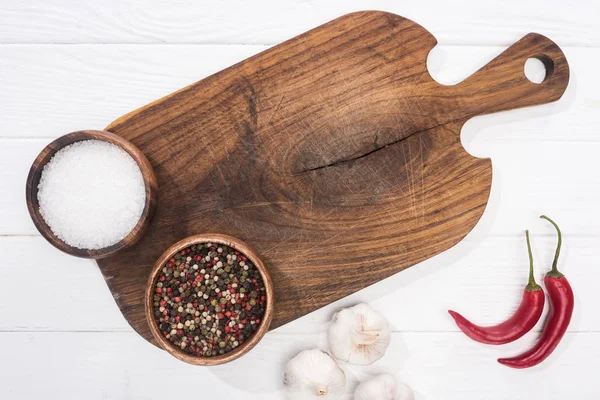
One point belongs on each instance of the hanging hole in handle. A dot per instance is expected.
(538, 68)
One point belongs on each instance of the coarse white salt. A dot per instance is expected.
(91, 194)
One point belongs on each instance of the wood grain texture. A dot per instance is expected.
(333, 154)
(35, 174)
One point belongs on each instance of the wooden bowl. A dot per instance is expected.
(244, 347)
(35, 174)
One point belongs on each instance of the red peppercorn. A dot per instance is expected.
(227, 328)
(220, 316)
(177, 318)
(177, 299)
(158, 290)
(228, 313)
(197, 257)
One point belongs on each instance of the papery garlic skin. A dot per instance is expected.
(313, 374)
(383, 387)
(358, 335)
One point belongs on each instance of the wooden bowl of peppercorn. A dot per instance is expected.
(209, 299)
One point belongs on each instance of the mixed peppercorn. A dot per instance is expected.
(208, 299)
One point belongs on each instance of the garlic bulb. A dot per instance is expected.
(358, 335)
(383, 387)
(313, 374)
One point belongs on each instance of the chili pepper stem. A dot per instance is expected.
(532, 285)
(554, 273)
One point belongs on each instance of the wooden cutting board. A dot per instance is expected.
(334, 154)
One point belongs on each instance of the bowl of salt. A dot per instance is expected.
(91, 193)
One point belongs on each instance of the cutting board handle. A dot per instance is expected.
(502, 85)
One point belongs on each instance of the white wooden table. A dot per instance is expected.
(67, 65)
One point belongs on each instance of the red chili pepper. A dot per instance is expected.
(522, 321)
(561, 310)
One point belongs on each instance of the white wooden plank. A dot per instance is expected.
(272, 21)
(53, 90)
(558, 178)
(483, 279)
(59, 89)
(14, 217)
(436, 365)
(44, 289)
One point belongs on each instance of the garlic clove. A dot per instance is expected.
(313, 374)
(383, 387)
(358, 335)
